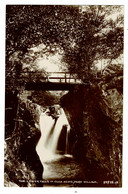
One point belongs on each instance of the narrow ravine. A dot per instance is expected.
(60, 168)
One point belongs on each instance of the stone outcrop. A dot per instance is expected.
(22, 165)
(96, 116)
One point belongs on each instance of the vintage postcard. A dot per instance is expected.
(64, 78)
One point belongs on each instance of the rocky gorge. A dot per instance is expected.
(95, 114)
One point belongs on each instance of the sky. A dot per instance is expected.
(51, 63)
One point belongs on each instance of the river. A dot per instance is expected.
(60, 168)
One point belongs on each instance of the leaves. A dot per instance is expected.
(81, 34)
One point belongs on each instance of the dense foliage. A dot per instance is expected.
(81, 34)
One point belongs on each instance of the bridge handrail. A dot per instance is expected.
(62, 72)
(64, 77)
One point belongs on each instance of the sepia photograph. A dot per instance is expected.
(64, 96)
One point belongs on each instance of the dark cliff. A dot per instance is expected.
(22, 165)
(96, 115)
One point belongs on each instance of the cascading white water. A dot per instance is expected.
(67, 141)
(51, 128)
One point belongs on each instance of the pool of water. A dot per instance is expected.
(60, 168)
(63, 171)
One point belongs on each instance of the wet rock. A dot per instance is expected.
(22, 164)
(96, 118)
(17, 174)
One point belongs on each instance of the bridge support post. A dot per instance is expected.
(65, 78)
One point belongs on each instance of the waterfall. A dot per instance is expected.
(67, 141)
(52, 122)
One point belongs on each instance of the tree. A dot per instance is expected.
(81, 34)
(29, 26)
(95, 38)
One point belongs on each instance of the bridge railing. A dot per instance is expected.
(56, 77)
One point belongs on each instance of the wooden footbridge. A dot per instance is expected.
(49, 81)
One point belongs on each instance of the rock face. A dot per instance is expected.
(22, 165)
(96, 115)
